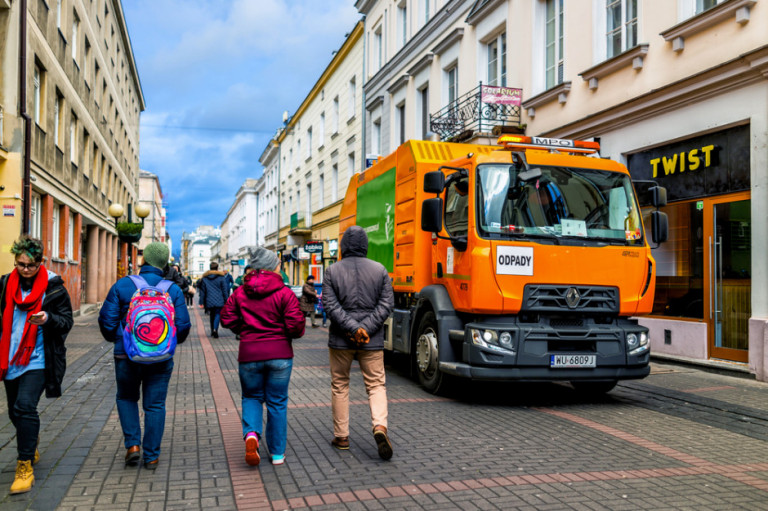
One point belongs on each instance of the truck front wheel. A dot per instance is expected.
(425, 356)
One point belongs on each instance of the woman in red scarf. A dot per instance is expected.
(36, 318)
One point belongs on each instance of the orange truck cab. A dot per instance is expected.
(524, 261)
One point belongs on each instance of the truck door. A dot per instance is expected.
(453, 258)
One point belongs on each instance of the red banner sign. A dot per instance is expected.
(501, 95)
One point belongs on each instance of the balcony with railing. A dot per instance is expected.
(300, 224)
(478, 112)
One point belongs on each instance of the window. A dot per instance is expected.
(554, 43)
(335, 115)
(335, 182)
(402, 23)
(452, 78)
(308, 214)
(321, 131)
(38, 80)
(426, 11)
(58, 119)
(71, 236)
(86, 156)
(376, 138)
(87, 61)
(309, 142)
(55, 231)
(58, 14)
(497, 60)
(73, 138)
(378, 49)
(75, 32)
(352, 97)
(36, 216)
(351, 164)
(200, 266)
(457, 207)
(298, 151)
(621, 26)
(424, 112)
(321, 192)
(703, 5)
(400, 123)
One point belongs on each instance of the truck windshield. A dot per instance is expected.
(557, 202)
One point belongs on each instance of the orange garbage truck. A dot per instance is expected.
(527, 261)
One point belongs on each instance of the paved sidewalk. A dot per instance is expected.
(679, 439)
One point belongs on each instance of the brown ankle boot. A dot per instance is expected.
(382, 442)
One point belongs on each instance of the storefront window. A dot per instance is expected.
(680, 262)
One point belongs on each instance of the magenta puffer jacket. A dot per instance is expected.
(266, 315)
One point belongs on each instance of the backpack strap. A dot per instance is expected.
(164, 285)
(138, 281)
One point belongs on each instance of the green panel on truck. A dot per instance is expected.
(376, 214)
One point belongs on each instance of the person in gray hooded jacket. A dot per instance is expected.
(358, 298)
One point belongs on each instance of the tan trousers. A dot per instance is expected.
(372, 367)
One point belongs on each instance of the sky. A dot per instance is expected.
(217, 76)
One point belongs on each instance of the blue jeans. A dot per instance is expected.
(23, 395)
(215, 315)
(152, 381)
(266, 381)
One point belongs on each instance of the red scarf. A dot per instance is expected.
(32, 304)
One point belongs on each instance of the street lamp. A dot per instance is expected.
(130, 231)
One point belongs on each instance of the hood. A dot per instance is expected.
(213, 273)
(262, 283)
(354, 243)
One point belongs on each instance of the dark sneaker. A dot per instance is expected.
(215, 334)
(150, 465)
(340, 442)
(382, 442)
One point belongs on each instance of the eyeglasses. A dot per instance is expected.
(23, 266)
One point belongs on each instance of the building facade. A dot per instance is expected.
(151, 196)
(240, 229)
(198, 254)
(78, 152)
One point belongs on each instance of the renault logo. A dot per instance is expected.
(572, 297)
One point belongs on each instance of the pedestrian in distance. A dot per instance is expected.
(265, 314)
(36, 318)
(214, 291)
(239, 280)
(172, 273)
(358, 298)
(134, 379)
(309, 299)
(189, 296)
(230, 281)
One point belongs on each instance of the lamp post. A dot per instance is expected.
(130, 231)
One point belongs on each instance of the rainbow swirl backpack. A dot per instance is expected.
(150, 331)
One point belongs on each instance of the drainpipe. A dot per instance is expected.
(362, 89)
(27, 157)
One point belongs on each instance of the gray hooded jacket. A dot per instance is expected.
(357, 293)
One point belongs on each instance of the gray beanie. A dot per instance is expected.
(264, 259)
(156, 254)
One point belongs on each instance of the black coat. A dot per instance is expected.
(357, 293)
(176, 277)
(58, 307)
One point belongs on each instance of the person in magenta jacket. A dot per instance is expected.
(265, 313)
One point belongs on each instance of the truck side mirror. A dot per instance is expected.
(434, 182)
(432, 214)
(659, 227)
(658, 196)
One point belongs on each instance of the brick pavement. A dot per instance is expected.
(680, 439)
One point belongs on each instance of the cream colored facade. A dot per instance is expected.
(83, 99)
(316, 153)
(239, 231)
(151, 196)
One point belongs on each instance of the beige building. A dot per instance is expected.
(675, 89)
(151, 198)
(78, 153)
(316, 154)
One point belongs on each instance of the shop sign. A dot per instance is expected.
(333, 247)
(313, 247)
(711, 164)
(9, 210)
(501, 95)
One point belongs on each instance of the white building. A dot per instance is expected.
(240, 229)
(198, 249)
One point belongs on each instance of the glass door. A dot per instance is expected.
(729, 276)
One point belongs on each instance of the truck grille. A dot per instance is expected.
(583, 299)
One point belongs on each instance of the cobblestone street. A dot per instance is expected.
(680, 439)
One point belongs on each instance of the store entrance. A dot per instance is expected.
(728, 241)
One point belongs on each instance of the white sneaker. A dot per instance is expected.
(278, 459)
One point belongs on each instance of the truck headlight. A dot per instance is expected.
(505, 340)
(637, 343)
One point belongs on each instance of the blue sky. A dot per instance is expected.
(216, 77)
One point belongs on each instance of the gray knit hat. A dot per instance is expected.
(156, 254)
(264, 259)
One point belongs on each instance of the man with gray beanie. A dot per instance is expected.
(266, 316)
(134, 379)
